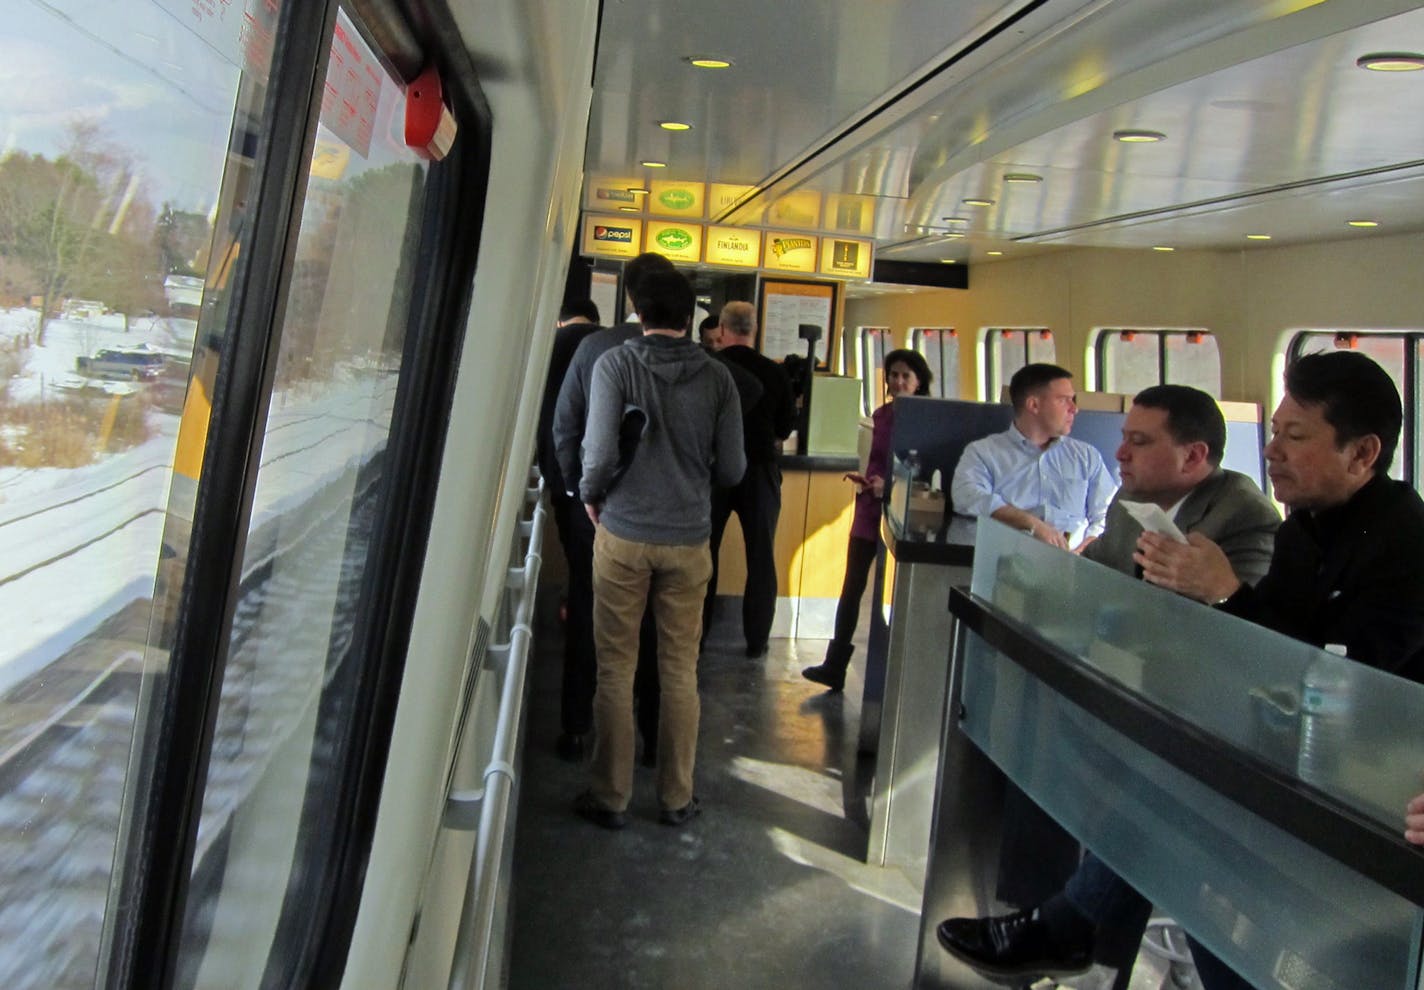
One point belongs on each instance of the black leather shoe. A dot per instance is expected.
(1012, 945)
(587, 806)
(822, 674)
(570, 746)
(755, 650)
(680, 816)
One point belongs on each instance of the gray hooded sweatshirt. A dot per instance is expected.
(691, 438)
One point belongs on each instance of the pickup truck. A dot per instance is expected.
(109, 363)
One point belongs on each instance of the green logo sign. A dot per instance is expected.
(677, 199)
(674, 239)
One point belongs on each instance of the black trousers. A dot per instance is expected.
(580, 660)
(860, 558)
(756, 500)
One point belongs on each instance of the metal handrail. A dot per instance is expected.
(478, 915)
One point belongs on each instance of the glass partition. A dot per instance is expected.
(1274, 906)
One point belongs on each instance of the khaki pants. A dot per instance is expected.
(625, 575)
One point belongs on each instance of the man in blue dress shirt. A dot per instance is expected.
(1033, 476)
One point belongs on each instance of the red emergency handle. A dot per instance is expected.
(429, 125)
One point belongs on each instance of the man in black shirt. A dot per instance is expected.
(756, 499)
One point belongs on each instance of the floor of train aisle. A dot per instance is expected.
(768, 887)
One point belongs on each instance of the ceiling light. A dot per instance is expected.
(1258, 237)
(708, 61)
(1162, 247)
(977, 202)
(638, 190)
(1138, 137)
(1022, 177)
(674, 125)
(629, 209)
(994, 254)
(653, 164)
(1364, 223)
(1391, 61)
(963, 220)
(948, 261)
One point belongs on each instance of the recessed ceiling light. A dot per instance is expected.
(994, 254)
(963, 220)
(1162, 247)
(708, 61)
(1022, 177)
(638, 190)
(674, 125)
(629, 209)
(653, 164)
(1138, 137)
(1391, 61)
(948, 261)
(1364, 223)
(1258, 237)
(977, 202)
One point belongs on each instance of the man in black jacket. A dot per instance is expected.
(756, 499)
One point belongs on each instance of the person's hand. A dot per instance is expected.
(1198, 568)
(876, 484)
(1414, 821)
(1042, 531)
(1084, 545)
(593, 512)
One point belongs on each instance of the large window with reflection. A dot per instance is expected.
(1007, 349)
(940, 347)
(1400, 354)
(1131, 359)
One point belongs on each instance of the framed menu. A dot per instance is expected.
(785, 306)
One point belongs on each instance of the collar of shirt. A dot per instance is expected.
(1018, 437)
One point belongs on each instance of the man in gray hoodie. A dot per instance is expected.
(652, 510)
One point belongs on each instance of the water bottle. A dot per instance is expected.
(1324, 713)
(912, 465)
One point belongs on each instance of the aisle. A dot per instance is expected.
(767, 889)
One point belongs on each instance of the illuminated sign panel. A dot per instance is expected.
(845, 258)
(612, 237)
(675, 241)
(722, 196)
(799, 209)
(734, 247)
(609, 193)
(790, 252)
(677, 199)
(850, 214)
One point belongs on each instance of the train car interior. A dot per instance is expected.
(280, 700)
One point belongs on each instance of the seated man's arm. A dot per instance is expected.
(1101, 489)
(1248, 540)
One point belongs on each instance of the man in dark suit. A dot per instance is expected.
(577, 319)
(767, 419)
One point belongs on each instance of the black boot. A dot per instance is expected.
(832, 670)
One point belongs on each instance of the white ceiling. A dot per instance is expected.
(1271, 128)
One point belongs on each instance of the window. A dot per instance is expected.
(1400, 355)
(870, 362)
(940, 346)
(1131, 359)
(1007, 349)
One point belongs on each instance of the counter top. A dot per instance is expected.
(819, 462)
(940, 550)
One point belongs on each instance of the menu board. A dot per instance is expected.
(733, 247)
(675, 241)
(611, 237)
(845, 258)
(790, 252)
(787, 305)
(677, 199)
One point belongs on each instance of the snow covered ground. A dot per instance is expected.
(76, 545)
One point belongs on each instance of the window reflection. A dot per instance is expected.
(114, 146)
(291, 673)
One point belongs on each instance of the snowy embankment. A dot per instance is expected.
(77, 545)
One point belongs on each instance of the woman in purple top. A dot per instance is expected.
(906, 373)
